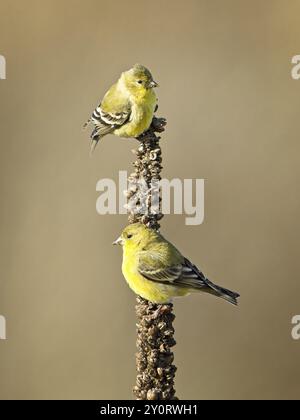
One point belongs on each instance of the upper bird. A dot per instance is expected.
(128, 107)
(157, 271)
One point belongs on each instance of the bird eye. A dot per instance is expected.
(140, 82)
(129, 236)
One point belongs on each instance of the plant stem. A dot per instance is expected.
(154, 358)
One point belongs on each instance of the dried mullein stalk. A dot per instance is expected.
(154, 357)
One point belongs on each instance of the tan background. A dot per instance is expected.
(224, 69)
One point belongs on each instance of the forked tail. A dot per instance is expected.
(223, 293)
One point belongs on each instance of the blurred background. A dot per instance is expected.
(224, 69)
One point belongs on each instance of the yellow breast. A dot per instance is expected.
(150, 290)
(141, 116)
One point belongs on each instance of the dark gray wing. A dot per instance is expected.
(180, 273)
(106, 122)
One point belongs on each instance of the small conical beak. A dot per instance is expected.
(118, 241)
(153, 84)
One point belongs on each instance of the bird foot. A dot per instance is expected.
(162, 309)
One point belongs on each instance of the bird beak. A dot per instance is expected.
(153, 84)
(119, 241)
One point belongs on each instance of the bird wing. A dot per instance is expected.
(152, 266)
(106, 122)
(112, 119)
(183, 273)
(113, 111)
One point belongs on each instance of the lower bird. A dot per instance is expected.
(128, 107)
(158, 272)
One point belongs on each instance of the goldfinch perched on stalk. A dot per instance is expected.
(127, 109)
(157, 271)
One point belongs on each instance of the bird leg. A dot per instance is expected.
(161, 310)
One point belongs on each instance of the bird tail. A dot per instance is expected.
(223, 293)
(95, 137)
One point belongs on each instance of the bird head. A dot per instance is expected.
(139, 79)
(136, 235)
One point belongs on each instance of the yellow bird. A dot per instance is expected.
(158, 272)
(128, 107)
